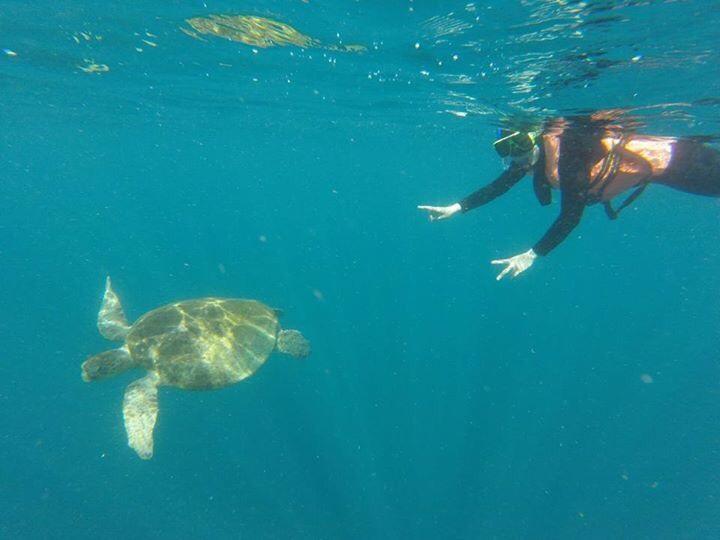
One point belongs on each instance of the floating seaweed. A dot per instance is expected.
(258, 32)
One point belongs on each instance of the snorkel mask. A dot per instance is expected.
(514, 144)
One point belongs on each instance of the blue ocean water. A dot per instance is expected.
(580, 400)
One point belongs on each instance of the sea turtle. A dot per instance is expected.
(197, 344)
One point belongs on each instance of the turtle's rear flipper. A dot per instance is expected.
(293, 343)
(107, 364)
(111, 319)
(140, 409)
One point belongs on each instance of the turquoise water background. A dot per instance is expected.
(580, 400)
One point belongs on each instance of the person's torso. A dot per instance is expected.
(627, 162)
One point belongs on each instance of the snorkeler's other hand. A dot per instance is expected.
(441, 212)
(517, 264)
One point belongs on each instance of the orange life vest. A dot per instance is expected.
(630, 161)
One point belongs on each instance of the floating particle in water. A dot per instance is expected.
(646, 378)
(262, 238)
(86, 36)
(9, 52)
(319, 296)
(654, 485)
(625, 476)
(92, 67)
(221, 268)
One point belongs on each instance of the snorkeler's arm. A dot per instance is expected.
(572, 206)
(571, 210)
(493, 190)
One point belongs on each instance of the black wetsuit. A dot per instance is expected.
(694, 168)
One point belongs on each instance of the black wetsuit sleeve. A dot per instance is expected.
(580, 147)
(493, 190)
(572, 204)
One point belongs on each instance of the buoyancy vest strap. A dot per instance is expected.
(641, 162)
(612, 213)
(609, 169)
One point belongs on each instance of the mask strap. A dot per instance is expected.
(506, 137)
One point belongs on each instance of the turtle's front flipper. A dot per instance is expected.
(111, 319)
(293, 343)
(107, 364)
(140, 409)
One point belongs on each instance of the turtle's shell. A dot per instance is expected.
(204, 343)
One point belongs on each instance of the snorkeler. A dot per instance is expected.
(589, 160)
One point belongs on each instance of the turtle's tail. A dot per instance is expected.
(293, 343)
(111, 318)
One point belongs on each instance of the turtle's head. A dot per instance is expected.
(106, 364)
(94, 369)
(293, 343)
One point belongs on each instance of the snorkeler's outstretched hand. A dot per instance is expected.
(517, 264)
(441, 212)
